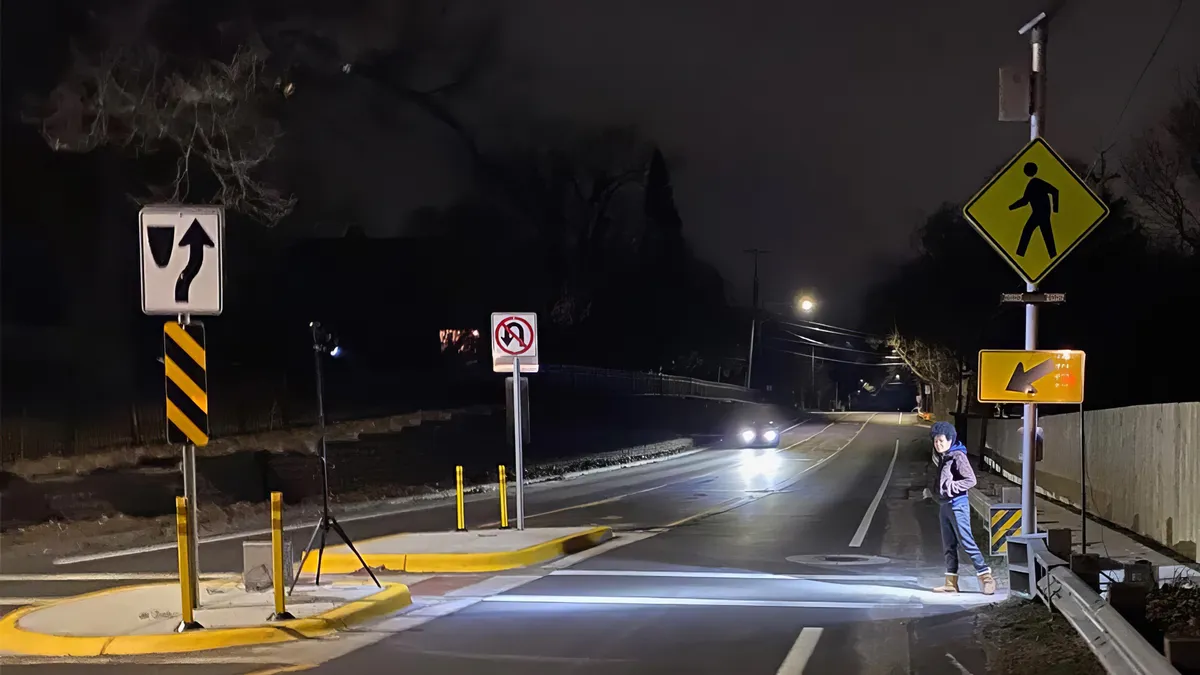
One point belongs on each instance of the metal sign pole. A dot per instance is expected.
(189, 492)
(517, 443)
(1029, 438)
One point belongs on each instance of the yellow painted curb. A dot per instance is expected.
(20, 641)
(424, 563)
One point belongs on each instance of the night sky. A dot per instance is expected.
(824, 132)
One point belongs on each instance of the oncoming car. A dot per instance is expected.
(758, 435)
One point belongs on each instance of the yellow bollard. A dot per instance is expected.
(503, 499)
(458, 495)
(188, 618)
(277, 578)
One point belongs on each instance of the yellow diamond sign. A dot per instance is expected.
(1045, 376)
(1035, 211)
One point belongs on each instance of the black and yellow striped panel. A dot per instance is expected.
(1005, 522)
(187, 383)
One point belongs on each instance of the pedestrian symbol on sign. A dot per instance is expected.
(1036, 193)
(1042, 200)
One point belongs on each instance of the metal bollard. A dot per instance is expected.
(503, 499)
(458, 498)
(277, 575)
(188, 618)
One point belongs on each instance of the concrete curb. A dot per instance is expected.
(496, 561)
(20, 641)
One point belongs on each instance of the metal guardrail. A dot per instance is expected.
(1036, 572)
(1116, 644)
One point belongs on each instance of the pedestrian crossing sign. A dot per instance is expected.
(1035, 211)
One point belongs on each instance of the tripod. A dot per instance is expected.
(321, 343)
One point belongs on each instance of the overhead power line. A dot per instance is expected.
(822, 345)
(1136, 83)
(897, 364)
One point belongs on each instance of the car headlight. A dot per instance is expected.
(770, 435)
(748, 435)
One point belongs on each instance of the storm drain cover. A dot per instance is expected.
(839, 559)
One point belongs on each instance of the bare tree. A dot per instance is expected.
(1163, 170)
(122, 90)
(215, 102)
(931, 363)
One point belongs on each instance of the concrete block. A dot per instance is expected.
(1010, 495)
(257, 566)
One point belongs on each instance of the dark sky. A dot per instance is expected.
(821, 131)
(825, 131)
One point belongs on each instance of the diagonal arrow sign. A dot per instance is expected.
(196, 240)
(1022, 380)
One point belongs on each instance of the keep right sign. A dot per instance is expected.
(1040, 376)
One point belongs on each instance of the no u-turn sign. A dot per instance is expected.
(514, 336)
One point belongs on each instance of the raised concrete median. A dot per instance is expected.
(474, 551)
(143, 619)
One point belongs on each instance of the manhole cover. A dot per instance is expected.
(838, 559)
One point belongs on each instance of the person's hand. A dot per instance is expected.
(926, 494)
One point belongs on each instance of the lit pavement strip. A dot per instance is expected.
(865, 525)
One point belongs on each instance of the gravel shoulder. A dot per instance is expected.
(1021, 637)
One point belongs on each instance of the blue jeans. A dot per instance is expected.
(956, 532)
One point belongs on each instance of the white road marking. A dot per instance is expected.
(900, 418)
(801, 651)
(438, 500)
(800, 442)
(692, 602)
(623, 539)
(865, 525)
(492, 586)
(21, 602)
(737, 575)
(111, 576)
(954, 662)
(797, 477)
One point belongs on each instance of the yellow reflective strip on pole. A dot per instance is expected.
(458, 498)
(277, 551)
(503, 499)
(185, 569)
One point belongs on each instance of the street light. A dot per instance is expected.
(806, 304)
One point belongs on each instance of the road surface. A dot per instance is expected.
(816, 563)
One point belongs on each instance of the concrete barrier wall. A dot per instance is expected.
(1143, 466)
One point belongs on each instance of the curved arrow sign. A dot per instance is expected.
(1036, 376)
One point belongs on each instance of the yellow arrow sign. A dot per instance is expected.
(1035, 211)
(1042, 376)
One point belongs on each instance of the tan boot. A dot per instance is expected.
(951, 585)
(987, 583)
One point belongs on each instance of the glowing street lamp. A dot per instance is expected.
(806, 304)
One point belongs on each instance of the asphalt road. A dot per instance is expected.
(547, 504)
(815, 564)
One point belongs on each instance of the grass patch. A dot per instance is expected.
(1023, 637)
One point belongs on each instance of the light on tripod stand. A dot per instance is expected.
(324, 342)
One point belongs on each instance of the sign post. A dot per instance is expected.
(1033, 212)
(181, 276)
(515, 350)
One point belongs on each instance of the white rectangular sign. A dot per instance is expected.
(514, 335)
(181, 250)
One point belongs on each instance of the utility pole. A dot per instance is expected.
(1037, 29)
(753, 315)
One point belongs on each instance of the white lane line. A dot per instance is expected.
(801, 651)
(497, 584)
(691, 602)
(900, 418)
(21, 602)
(954, 662)
(735, 575)
(801, 442)
(795, 479)
(111, 576)
(865, 525)
(622, 539)
(437, 500)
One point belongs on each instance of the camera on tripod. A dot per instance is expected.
(324, 340)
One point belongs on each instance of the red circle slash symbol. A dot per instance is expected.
(514, 336)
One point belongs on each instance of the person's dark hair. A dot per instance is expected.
(944, 429)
